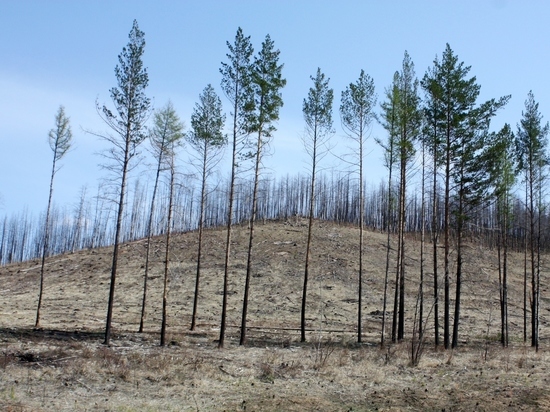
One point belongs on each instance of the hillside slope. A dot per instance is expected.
(64, 366)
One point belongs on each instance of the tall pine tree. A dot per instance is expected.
(266, 82)
(127, 124)
(531, 148)
(317, 110)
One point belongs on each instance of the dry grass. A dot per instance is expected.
(65, 367)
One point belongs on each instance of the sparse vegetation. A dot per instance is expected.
(488, 233)
(65, 366)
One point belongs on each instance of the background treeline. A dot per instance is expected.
(89, 223)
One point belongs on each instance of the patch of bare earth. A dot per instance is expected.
(65, 367)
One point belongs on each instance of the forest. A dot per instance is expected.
(453, 179)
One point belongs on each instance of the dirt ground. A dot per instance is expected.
(64, 366)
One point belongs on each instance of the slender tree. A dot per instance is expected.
(266, 83)
(531, 146)
(462, 128)
(167, 130)
(317, 110)
(502, 165)
(356, 111)
(60, 139)
(433, 137)
(236, 84)
(389, 122)
(171, 160)
(207, 140)
(408, 122)
(469, 177)
(127, 124)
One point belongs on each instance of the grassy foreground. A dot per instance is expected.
(65, 367)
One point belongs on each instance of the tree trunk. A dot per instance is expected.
(148, 250)
(229, 224)
(402, 218)
(459, 234)
(435, 238)
(167, 256)
(308, 245)
(361, 229)
(118, 231)
(251, 239)
(46, 244)
(446, 316)
(388, 248)
(201, 226)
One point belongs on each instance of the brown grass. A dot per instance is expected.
(65, 367)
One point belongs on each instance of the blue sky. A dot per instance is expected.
(56, 52)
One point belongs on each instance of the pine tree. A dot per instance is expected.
(236, 84)
(266, 83)
(432, 138)
(171, 162)
(502, 176)
(356, 111)
(389, 122)
(317, 110)
(408, 123)
(60, 139)
(461, 127)
(531, 147)
(167, 130)
(207, 140)
(127, 123)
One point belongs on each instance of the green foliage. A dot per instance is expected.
(317, 108)
(207, 122)
(262, 109)
(166, 133)
(459, 127)
(409, 116)
(132, 107)
(501, 168)
(501, 160)
(356, 107)
(389, 121)
(236, 79)
(60, 137)
(532, 138)
(401, 114)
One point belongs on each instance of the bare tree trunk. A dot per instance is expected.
(422, 244)
(118, 231)
(46, 244)
(532, 256)
(148, 251)
(459, 235)
(525, 245)
(401, 269)
(308, 245)
(537, 286)
(505, 275)
(396, 292)
(500, 279)
(388, 248)
(167, 255)
(446, 316)
(229, 225)
(251, 238)
(361, 230)
(435, 239)
(201, 226)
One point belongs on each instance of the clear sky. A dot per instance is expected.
(56, 52)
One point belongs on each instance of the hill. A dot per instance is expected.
(64, 365)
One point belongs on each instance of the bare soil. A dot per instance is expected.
(63, 366)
